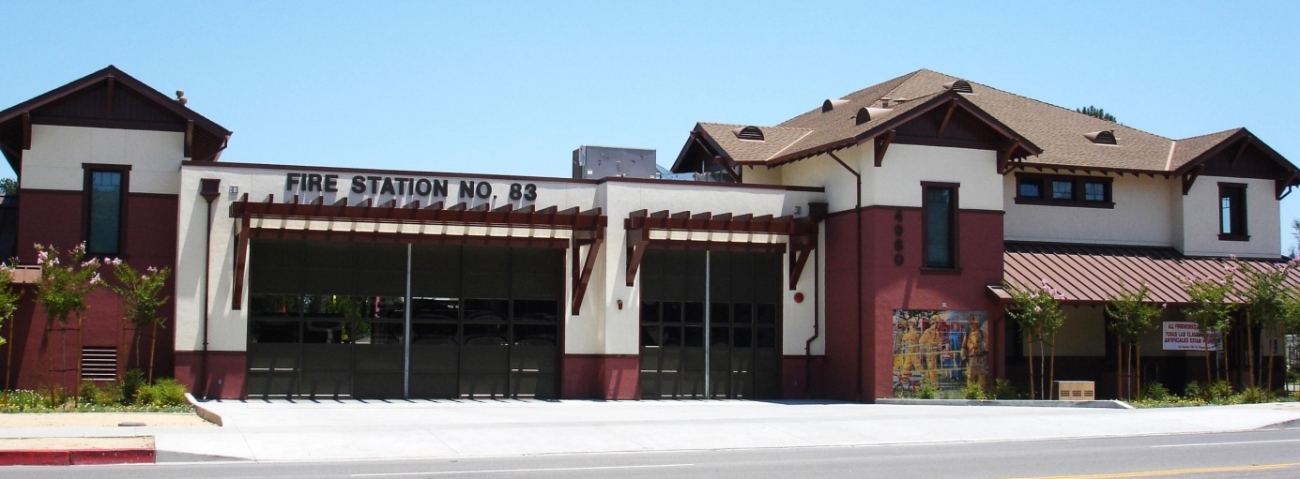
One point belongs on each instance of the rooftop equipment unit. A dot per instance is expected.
(595, 162)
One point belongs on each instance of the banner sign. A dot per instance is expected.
(1183, 336)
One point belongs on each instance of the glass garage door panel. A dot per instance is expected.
(327, 320)
(744, 316)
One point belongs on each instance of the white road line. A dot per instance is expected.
(1226, 443)
(495, 471)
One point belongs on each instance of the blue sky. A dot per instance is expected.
(514, 87)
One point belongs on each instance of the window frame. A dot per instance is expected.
(1240, 213)
(1079, 190)
(954, 233)
(88, 172)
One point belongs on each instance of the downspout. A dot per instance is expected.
(857, 211)
(210, 189)
(807, 345)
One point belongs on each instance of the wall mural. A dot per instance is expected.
(946, 349)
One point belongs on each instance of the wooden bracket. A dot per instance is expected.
(1240, 150)
(1004, 158)
(882, 145)
(582, 270)
(943, 125)
(1189, 178)
(1282, 186)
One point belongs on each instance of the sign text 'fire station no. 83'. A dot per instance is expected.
(1184, 336)
(403, 186)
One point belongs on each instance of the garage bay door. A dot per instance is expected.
(744, 317)
(330, 320)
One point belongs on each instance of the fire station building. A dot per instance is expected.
(851, 252)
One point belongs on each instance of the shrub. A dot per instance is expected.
(1219, 391)
(131, 383)
(170, 392)
(926, 391)
(1193, 390)
(164, 392)
(1155, 391)
(973, 391)
(87, 391)
(54, 397)
(22, 400)
(1002, 389)
(1253, 395)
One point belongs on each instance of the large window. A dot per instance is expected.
(1085, 191)
(105, 190)
(939, 212)
(1232, 212)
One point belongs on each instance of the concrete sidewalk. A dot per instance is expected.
(346, 430)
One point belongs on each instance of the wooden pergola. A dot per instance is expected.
(587, 227)
(801, 233)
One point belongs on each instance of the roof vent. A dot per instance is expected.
(1103, 137)
(749, 133)
(865, 114)
(829, 105)
(959, 86)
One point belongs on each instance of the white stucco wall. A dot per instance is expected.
(619, 331)
(228, 328)
(601, 328)
(1141, 215)
(897, 182)
(58, 152)
(1200, 215)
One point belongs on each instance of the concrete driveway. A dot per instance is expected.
(351, 429)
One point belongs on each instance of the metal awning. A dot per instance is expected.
(1092, 274)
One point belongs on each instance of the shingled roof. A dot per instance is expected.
(1065, 138)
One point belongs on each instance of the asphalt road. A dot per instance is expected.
(1269, 453)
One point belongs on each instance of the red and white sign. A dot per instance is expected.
(1184, 336)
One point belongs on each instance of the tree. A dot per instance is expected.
(1265, 297)
(8, 306)
(1212, 310)
(1131, 317)
(1096, 112)
(62, 290)
(142, 299)
(8, 186)
(1038, 313)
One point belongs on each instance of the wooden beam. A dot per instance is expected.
(943, 125)
(1004, 157)
(109, 102)
(582, 279)
(189, 138)
(1244, 143)
(27, 131)
(882, 145)
(241, 261)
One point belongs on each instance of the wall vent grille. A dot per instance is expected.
(98, 364)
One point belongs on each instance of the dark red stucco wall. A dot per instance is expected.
(55, 218)
(887, 286)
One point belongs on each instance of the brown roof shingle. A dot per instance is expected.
(1059, 132)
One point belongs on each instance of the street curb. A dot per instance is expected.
(1004, 402)
(203, 412)
(76, 457)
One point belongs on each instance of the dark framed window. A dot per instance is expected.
(105, 208)
(939, 225)
(1081, 191)
(1232, 212)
